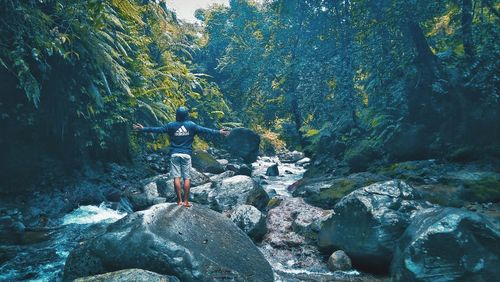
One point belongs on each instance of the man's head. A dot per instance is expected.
(181, 114)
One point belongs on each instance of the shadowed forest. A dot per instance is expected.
(357, 82)
(367, 90)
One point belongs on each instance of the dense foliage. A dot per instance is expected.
(356, 81)
(362, 80)
(76, 74)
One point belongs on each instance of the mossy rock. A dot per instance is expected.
(327, 197)
(463, 154)
(442, 194)
(484, 190)
(274, 202)
(361, 156)
(204, 162)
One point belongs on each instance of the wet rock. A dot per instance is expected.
(339, 260)
(325, 192)
(237, 190)
(286, 245)
(303, 161)
(448, 244)
(291, 157)
(293, 222)
(250, 220)
(113, 195)
(18, 227)
(136, 275)
(273, 170)
(233, 167)
(245, 170)
(193, 244)
(368, 221)
(219, 177)
(244, 143)
(204, 162)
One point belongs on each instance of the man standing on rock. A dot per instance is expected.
(181, 135)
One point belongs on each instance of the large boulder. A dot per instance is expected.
(204, 162)
(193, 244)
(237, 190)
(244, 143)
(448, 244)
(250, 220)
(368, 221)
(288, 242)
(325, 192)
(219, 177)
(136, 275)
(294, 223)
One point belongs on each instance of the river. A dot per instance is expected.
(42, 256)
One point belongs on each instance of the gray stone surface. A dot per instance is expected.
(193, 244)
(448, 244)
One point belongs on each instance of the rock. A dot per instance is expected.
(198, 178)
(144, 197)
(165, 184)
(361, 155)
(136, 275)
(200, 194)
(233, 167)
(273, 170)
(250, 220)
(287, 243)
(244, 143)
(325, 192)
(204, 162)
(292, 222)
(113, 195)
(448, 244)
(303, 161)
(223, 162)
(339, 261)
(18, 227)
(193, 244)
(291, 157)
(219, 177)
(368, 221)
(245, 170)
(237, 190)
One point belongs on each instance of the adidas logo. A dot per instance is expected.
(182, 131)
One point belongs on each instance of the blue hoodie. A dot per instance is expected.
(181, 135)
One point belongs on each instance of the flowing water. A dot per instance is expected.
(42, 254)
(44, 261)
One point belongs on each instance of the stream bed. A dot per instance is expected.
(42, 254)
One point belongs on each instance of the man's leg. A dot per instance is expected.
(187, 187)
(177, 185)
(175, 173)
(186, 175)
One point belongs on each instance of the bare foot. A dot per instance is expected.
(180, 203)
(187, 204)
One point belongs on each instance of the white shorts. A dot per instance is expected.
(180, 166)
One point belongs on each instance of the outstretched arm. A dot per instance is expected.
(160, 129)
(202, 130)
